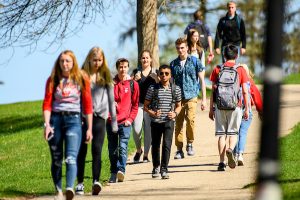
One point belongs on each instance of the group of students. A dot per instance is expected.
(81, 105)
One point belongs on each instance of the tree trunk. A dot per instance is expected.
(147, 29)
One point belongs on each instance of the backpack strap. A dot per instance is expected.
(238, 21)
(155, 93)
(131, 88)
(194, 60)
(173, 91)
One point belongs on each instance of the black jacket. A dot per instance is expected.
(231, 31)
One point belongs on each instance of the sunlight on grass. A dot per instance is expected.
(25, 156)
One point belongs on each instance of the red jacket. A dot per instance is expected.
(256, 97)
(126, 103)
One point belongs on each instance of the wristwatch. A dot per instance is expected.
(45, 125)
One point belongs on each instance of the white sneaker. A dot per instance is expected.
(97, 187)
(240, 160)
(120, 176)
(59, 196)
(79, 189)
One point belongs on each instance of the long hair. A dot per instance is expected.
(103, 75)
(149, 53)
(190, 43)
(75, 73)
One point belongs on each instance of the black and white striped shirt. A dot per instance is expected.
(161, 99)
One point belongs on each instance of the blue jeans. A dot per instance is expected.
(117, 147)
(67, 132)
(242, 137)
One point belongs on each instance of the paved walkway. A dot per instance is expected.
(197, 177)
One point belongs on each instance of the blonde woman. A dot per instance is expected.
(67, 95)
(95, 65)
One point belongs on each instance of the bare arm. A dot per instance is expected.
(210, 44)
(47, 128)
(245, 96)
(211, 104)
(203, 89)
(89, 122)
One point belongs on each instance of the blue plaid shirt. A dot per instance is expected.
(187, 77)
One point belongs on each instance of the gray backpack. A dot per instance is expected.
(228, 88)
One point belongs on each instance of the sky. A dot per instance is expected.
(24, 75)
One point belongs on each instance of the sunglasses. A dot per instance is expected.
(164, 73)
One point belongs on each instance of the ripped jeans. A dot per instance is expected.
(67, 132)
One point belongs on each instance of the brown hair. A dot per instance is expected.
(190, 43)
(120, 60)
(198, 15)
(180, 40)
(103, 76)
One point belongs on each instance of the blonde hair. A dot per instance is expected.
(248, 72)
(103, 75)
(75, 73)
(231, 2)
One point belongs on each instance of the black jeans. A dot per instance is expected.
(97, 144)
(158, 130)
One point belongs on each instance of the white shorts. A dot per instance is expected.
(228, 121)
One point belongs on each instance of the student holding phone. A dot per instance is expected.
(67, 94)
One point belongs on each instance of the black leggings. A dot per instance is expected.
(97, 144)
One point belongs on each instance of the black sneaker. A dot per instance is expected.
(231, 159)
(69, 193)
(113, 178)
(155, 172)
(137, 157)
(97, 187)
(222, 166)
(145, 159)
(179, 155)
(165, 175)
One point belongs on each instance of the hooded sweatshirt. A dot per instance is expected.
(126, 102)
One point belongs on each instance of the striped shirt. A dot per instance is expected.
(161, 99)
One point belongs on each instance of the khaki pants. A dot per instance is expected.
(188, 112)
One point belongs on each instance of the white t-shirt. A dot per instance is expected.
(182, 62)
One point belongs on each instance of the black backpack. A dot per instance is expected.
(203, 36)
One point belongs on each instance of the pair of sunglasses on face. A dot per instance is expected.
(164, 73)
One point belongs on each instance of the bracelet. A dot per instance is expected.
(45, 125)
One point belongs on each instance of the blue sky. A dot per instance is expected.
(24, 75)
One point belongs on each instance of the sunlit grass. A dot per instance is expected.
(25, 156)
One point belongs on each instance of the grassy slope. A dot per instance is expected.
(24, 154)
(290, 164)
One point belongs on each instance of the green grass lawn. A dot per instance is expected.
(25, 156)
(292, 79)
(290, 164)
(289, 178)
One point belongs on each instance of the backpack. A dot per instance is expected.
(228, 88)
(155, 101)
(203, 36)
